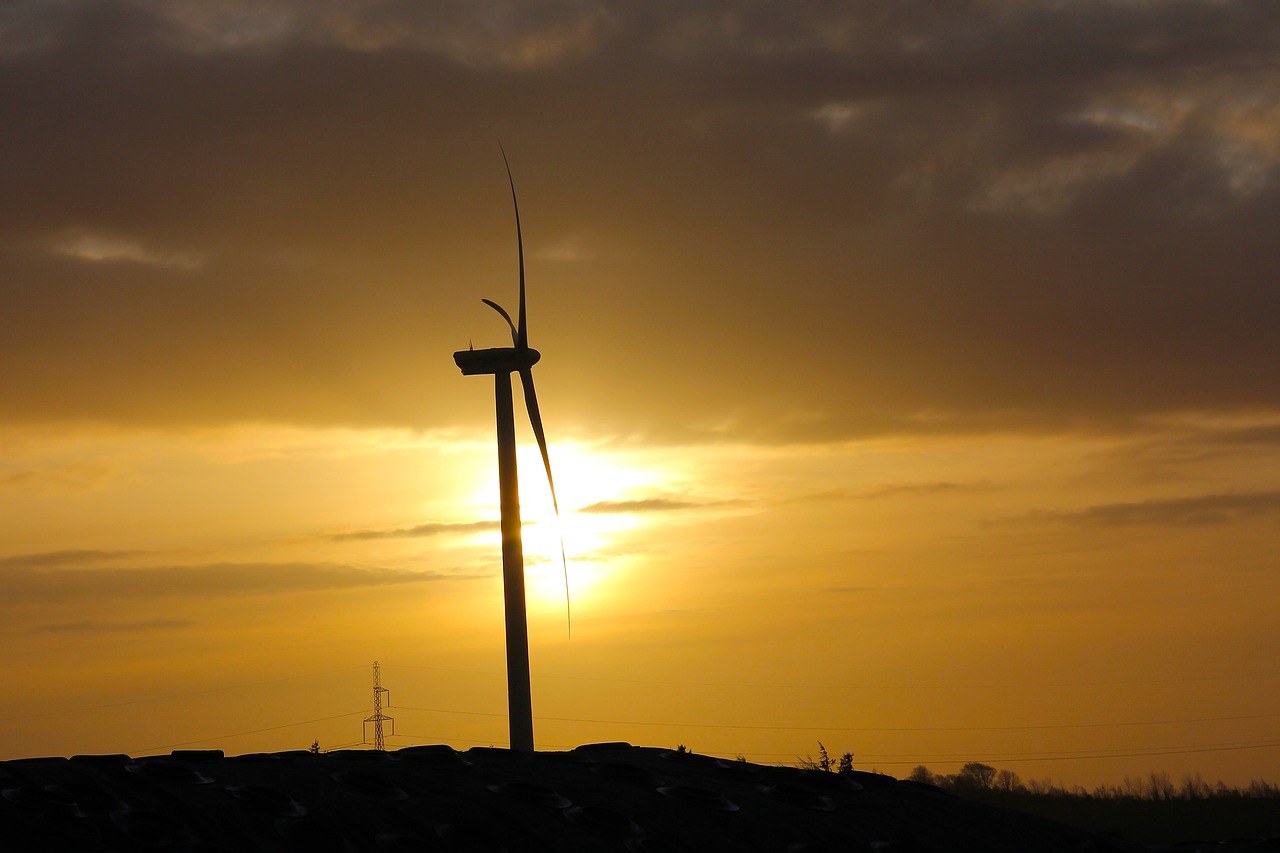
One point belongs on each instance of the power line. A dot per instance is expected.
(1024, 686)
(751, 685)
(860, 728)
(1073, 753)
(884, 758)
(890, 759)
(1011, 756)
(1045, 754)
(1045, 757)
(241, 734)
(168, 696)
(469, 713)
(445, 739)
(1129, 754)
(353, 743)
(776, 686)
(489, 741)
(954, 758)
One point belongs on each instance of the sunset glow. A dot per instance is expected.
(910, 379)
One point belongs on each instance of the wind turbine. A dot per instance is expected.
(502, 362)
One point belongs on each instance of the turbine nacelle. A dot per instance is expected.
(475, 362)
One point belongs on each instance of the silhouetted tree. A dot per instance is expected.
(1007, 781)
(975, 775)
(823, 762)
(920, 773)
(1043, 787)
(1261, 789)
(1161, 786)
(1194, 787)
(1132, 787)
(976, 778)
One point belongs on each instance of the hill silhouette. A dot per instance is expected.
(596, 797)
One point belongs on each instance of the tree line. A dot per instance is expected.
(1155, 785)
(1152, 809)
(976, 777)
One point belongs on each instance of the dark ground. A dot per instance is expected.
(604, 797)
(1220, 823)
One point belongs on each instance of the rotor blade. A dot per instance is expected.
(496, 307)
(535, 420)
(522, 334)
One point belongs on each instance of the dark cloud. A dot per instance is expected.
(651, 505)
(1174, 512)
(1265, 435)
(924, 489)
(73, 476)
(796, 222)
(1168, 452)
(34, 586)
(892, 490)
(430, 529)
(836, 494)
(98, 626)
(61, 559)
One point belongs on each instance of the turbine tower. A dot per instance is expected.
(501, 362)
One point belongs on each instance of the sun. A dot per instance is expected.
(585, 476)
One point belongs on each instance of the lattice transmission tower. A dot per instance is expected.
(378, 717)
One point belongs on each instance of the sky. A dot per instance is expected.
(910, 371)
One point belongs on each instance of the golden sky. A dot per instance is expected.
(910, 373)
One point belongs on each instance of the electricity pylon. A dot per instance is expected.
(378, 742)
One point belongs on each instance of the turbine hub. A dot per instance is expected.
(474, 362)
